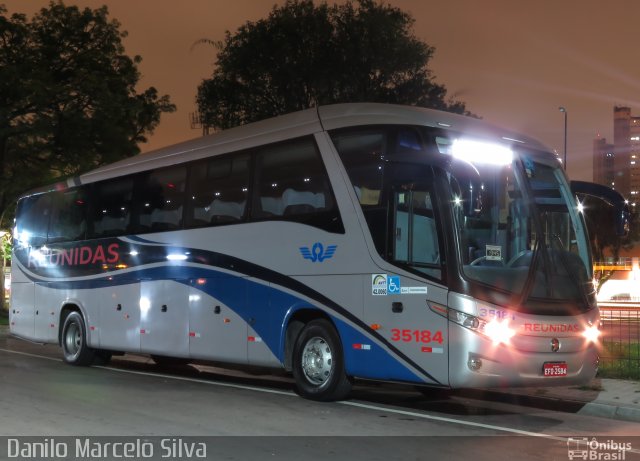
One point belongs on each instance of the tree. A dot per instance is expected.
(305, 55)
(600, 218)
(68, 99)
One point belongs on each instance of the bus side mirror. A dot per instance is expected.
(610, 196)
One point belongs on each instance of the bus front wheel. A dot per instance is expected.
(75, 350)
(318, 363)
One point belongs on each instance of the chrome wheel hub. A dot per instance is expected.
(317, 361)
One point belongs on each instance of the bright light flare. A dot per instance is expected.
(591, 333)
(177, 257)
(481, 152)
(145, 305)
(499, 331)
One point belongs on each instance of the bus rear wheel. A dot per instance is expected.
(318, 363)
(75, 350)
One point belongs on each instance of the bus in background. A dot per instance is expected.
(342, 242)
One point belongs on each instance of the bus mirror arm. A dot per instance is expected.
(610, 196)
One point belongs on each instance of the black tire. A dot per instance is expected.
(318, 363)
(75, 350)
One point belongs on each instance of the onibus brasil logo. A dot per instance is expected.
(592, 449)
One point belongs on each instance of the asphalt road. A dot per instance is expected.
(232, 415)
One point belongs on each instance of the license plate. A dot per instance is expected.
(554, 369)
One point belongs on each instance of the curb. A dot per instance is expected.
(602, 410)
(611, 411)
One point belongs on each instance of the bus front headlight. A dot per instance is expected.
(498, 331)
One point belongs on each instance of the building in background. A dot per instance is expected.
(618, 165)
(603, 166)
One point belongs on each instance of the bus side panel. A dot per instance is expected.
(119, 327)
(21, 315)
(216, 329)
(47, 304)
(265, 318)
(164, 318)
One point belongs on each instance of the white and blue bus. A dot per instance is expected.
(354, 241)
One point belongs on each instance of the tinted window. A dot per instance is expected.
(159, 200)
(111, 210)
(363, 156)
(32, 220)
(219, 191)
(293, 185)
(68, 216)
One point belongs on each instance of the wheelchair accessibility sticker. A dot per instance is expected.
(383, 284)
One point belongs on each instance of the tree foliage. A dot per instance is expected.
(68, 98)
(600, 218)
(305, 55)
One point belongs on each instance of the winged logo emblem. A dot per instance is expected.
(318, 252)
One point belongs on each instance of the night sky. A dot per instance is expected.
(513, 63)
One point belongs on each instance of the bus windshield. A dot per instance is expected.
(518, 237)
(519, 231)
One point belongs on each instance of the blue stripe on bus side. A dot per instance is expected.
(183, 274)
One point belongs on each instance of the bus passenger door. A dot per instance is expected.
(164, 318)
(119, 327)
(400, 305)
(217, 330)
(406, 322)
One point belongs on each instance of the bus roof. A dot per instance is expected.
(302, 123)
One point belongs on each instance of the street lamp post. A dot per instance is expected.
(564, 111)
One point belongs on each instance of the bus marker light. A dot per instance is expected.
(481, 152)
(441, 310)
(193, 334)
(376, 326)
(227, 320)
(433, 350)
(362, 347)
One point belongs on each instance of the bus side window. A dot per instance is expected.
(159, 200)
(32, 216)
(69, 216)
(218, 191)
(111, 213)
(293, 185)
(362, 152)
